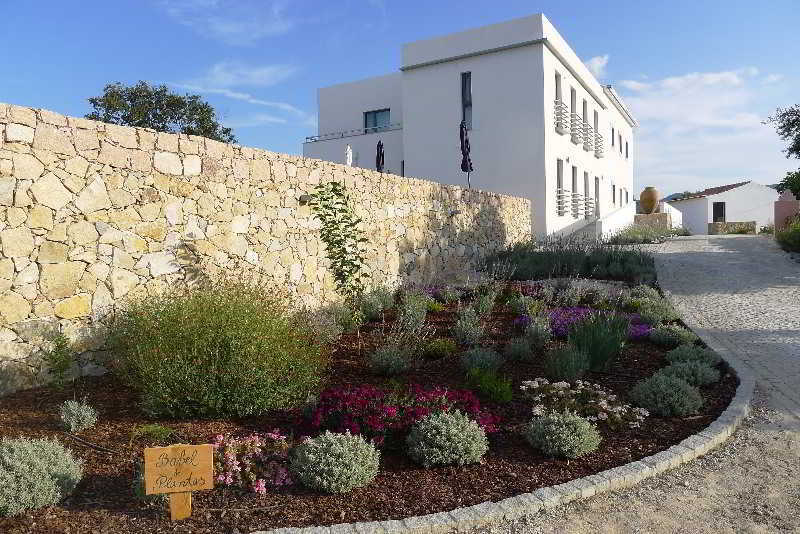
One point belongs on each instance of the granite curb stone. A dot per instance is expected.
(619, 477)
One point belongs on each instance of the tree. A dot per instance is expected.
(156, 107)
(791, 182)
(787, 124)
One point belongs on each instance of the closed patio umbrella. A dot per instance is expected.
(379, 158)
(466, 162)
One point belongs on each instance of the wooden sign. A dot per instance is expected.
(178, 470)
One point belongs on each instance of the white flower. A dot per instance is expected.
(561, 385)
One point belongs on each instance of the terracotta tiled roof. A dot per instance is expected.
(711, 191)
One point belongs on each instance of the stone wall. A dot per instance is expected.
(653, 220)
(746, 227)
(92, 214)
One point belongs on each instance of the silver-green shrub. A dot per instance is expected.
(518, 349)
(691, 352)
(671, 335)
(391, 359)
(447, 438)
(484, 303)
(566, 363)
(468, 329)
(694, 372)
(563, 435)
(376, 301)
(667, 396)
(77, 416)
(412, 311)
(481, 358)
(644, 291)
(334, 463)
(539, 333)
(35, 473)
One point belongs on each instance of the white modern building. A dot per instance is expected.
(739, 202)
(540, 125)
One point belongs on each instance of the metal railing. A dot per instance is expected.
(598, 145)
(353, 133)
(576, 127)
(563, 197)
(588, 137)
(589, 207)
(577, 205)
(561, 116)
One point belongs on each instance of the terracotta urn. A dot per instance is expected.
(648, 200)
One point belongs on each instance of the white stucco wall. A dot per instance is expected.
(364, 148)
(695, 214)
(342, 106)
(749, 202)
(675, 214)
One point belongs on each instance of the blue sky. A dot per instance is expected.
(699, 76)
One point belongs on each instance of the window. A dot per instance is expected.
(719, 211)
(375, 121)
(558, 86)
(619, 138)
(596, 194)
(402, 167)
(560, 187)
(614, 194)
(626, 197)
(574, 189)
(573, 100)
(466, 98)
(585, 113)
(612, 136)
(626, 150)
(586, 192)
(596, 120)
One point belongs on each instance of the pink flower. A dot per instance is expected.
(260, 487)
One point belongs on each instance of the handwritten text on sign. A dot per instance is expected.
(178, 468)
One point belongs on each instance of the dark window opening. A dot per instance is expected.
(719, 212)
(375, 121)
(560, 187)
(402, 167)
(466, 98)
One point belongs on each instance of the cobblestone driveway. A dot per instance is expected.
(746, 292)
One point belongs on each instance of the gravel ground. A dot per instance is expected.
(749, 485)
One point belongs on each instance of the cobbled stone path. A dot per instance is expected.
(746, 292)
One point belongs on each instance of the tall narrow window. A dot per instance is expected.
(718, 211)
(558, 86)
(586, 190)
(596, 194)
(626, 150)
(614, 194)
(627, 199)
(466, 98)
(619, 138)
(612, 136)
(596, 120)
(585, 113)
(560, 187)
(573, 100)
(574, 190)
(375, 121)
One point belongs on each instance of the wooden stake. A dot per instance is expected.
(180, 505)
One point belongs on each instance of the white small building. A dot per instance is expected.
(739, 202)
(540, 125)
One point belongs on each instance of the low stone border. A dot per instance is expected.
(612, 479)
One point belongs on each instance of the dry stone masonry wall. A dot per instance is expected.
(92, 214)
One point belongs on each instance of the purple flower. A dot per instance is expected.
(561, 319)
(522, 321)
(639, 331)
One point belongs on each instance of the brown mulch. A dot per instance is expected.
(104, 502)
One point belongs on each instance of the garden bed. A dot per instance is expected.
(104, 500)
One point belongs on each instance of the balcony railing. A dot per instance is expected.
(598, 145)
(589, 207)
(576, 127)
(353, 133)
(588, 137)
(576, 204)
(561, 116)
(563, 201)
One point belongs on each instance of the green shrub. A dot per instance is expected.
(320, 321)
(601, 336)
(539, 333)
(376, 301)
(642, 233)
(652, 310)
(446, 438)
(694, 373)
(562, 435)
(412, 311)
(449, 294)
(570, 296)
(439, 348)
(58, 359)
(566, 363)
(347, 318)
(391, 359)
(152, 433)
(644, 291)
(789, 238)
(77, 416)
(518, 349)
(334, 463)
(435, 306)
(218, 349)
(484, 303)
(490, 385)
(667, 396)
(671, 336)
(468, 329)
(523, 305)
(688, 353)
(35, 473)
(481, 358)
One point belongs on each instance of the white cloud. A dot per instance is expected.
(773, 78)
(256, 119)
(703, 129)
(236, 22)
(237, 74)
(597, 65)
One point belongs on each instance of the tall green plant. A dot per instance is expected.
(342, 237)
(601, 336)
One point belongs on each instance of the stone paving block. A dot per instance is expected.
(549, 497)
(586, 487)
(660, 462)
(569, 491)
(682, 452)
(600, 484)
(639, 471)
(391, 526)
